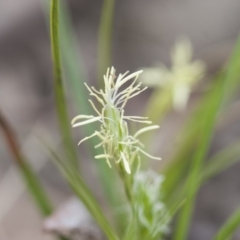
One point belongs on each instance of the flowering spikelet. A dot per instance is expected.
(180, 78)
(118, 145)
(151, 212)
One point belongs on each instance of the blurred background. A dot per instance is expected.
(143, 34)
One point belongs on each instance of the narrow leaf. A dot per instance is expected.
(192, 182)
(221, 161)
(34, 186)
(176, 170)
(228, 229)
(105, 38)
(228, 84)
(74, 78)
(58, 85)
(83, 193)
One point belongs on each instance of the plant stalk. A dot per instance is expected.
(105, 38)
(34, 186)
(61, 105)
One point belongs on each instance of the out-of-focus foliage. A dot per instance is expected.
(180, 78)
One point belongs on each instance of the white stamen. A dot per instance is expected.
(86, 138)
(124, 80)
(87, 121)
(102, 156)
(125, 163)
(135, 120)
(145, 130)
(95, 95)
(133, 95)
(80, 117)
(135, 117)
(94, 107)
(148, 155)
(129, 142)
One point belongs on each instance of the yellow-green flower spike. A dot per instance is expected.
(118, 145)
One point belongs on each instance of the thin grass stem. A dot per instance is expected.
(61, 105)
(228, 229)
(221, 161)
(34, 186)
(105, 38)
(84, 194)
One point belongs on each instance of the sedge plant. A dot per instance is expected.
(151, 198)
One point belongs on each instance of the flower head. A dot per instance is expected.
(151, 212)
(118, 145)
(182, 76)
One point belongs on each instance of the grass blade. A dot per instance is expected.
(215, 165)
(233, 72)
(83, 193)
(179, 163)
(72, 62)
(192, 182)
(60, 99)
(74, 73)
(34, 186)
(75, 83)
(105, 38)
(228, 229)
(58, 85)
(222, 160)
(131, 231)
(228, 84)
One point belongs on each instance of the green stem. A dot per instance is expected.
(105, 38)
(75, 77)
(127, 183)
(83, 193)
(58, 85)
(73, 65)
(34, 186)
